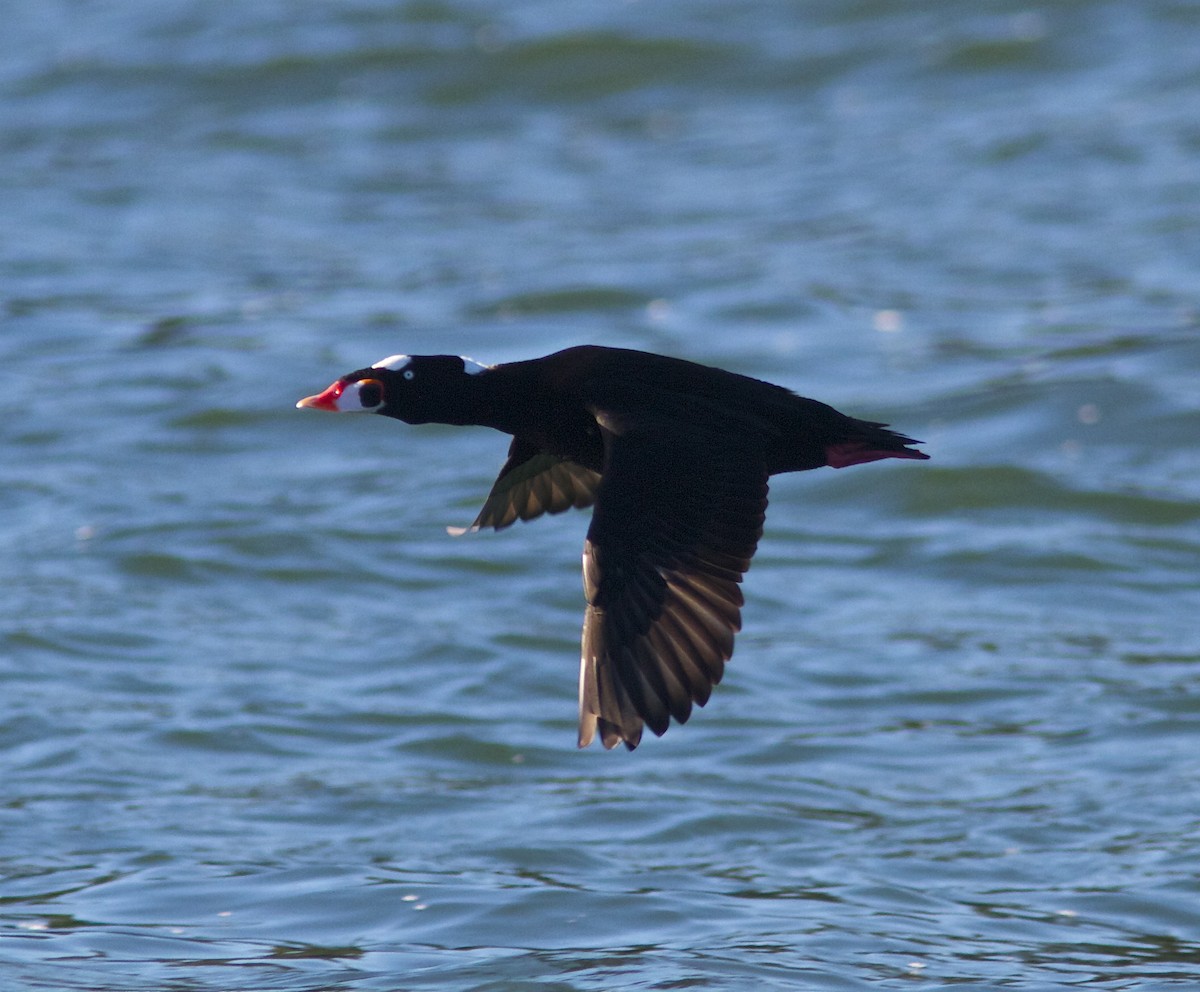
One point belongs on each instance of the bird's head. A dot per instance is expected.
(418, 389)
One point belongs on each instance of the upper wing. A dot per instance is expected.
(533, 482)
(676, 522)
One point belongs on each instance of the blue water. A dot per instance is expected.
(265, 726)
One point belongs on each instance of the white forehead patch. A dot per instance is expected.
(472, 367)
(393, 362)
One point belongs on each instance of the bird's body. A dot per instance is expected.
(674, 456)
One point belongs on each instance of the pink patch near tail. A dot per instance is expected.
(860, 452)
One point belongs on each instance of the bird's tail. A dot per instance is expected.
(869, 442)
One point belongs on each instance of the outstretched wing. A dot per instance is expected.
(677, 520)
(533, 482)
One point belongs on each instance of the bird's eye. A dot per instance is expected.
(370, 394)
(409, 374)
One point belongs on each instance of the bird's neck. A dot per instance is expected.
(503, 398)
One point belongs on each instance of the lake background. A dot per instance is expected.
(265, 726)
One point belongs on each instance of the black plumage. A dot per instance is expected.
(674, 456)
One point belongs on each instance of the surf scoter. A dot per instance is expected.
(675, 457)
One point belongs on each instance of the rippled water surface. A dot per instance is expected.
(265, 726)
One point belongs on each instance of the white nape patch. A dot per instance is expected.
(393, 362)
(472, 367)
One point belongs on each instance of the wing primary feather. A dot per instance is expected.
(665, 679)
(688, 673)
